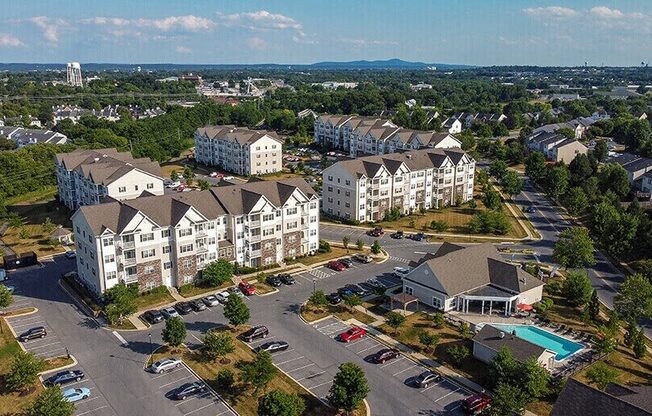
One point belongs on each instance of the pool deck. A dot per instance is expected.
(475, 319)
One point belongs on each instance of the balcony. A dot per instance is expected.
(254, 238)
(253, 253)
(202, 249)
(128, 244)
(128, 261)
(254, 224)
(131, 278)
(201, 233)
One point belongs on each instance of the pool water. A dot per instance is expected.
(562, 346)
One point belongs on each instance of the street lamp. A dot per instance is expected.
(314, 285)
(150, 344)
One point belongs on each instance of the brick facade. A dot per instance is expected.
(268, 251)
(186, 270)
(149, 280)
(292, 241)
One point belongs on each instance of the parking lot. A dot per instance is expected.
(95, 405)
(203, 404)
(353, 273)
(355, 234)
(444, 395)
(49, 346)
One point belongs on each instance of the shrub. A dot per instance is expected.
(225, 378)
(601, 375)
(438, 226)
(324, 246)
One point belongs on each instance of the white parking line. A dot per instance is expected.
(326, 326)
(428, 388)
(337, 330)
(46, 345)
(349, 344)
(226, 411)
(367, 349)
(27, 324)
(301, 368)
(199, 396)
(122, 340)
(393, 362)
(320, 384)
(167, 373)
(91, 399)
(199, 340)
(288, 361)
(89, 411)
(311, 375)
(196, 410)
(283, 352)
(404, 370)
(176, 381)
(446, 395)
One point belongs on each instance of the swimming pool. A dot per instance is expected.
(562, 346)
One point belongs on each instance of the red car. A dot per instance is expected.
(247, 288)
(475, 404)
(352, 334)
(377, 232)
(336, 265)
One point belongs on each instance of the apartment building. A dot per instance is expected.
(25, 137)
(168, 239)
(239, 150)
(87, 177)
(363, 189)
(373, 136)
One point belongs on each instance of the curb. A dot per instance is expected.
(34, 310)
(228, 406)
(74, 363)
(316, 320)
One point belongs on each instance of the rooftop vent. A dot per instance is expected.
(97, 159)
(502, 335)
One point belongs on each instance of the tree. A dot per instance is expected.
(580, 169)
(458, 353)
(345, 242)
(375, 247)
(593, 308)
(498, 169)
(394, 320)
(602, 375)
(280, 403)
(6, 297)
(236, 311)
(630, 334)
(577, 288)
(503, 368)
(121, 302)
(601, 150)
(638, 344)
(51, 403)
(438, 319)
(217, 344)
(349, 387)
(353, 301)
(24, 371)
(259, 372)
(174, 332)
(359, 244)
(318, 298)
(576, 201)
(218, 272)
(203, 184)
(428, 339)
(489, 222)
(556, 181)
(438, 226)
(534, 379)
(535, 166)
(613, 177)
(574, 248)
(174, 176)
(511, 183)
(491, 199)
(48, 226)
(507, 399)
(634, 298)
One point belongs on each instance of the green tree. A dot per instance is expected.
(576, 201)
(349, 387)
(345, 242)
(638, 344)
(628, 339)
(174, 332)
(556, 181)
(6, 297)
(236, 311)
(51, 403)
(203, 184)
(280, 403)
(535, 166)
(375, 247)
(121, 300)
(218, 272)
(438, 319)
(574, 248)
(458, 353)
(634, 298)
(498, 169)
(428, 339)
(489, 222)
(601, 150)
(491, 199)
(512, 183)
(318, 298)
(593, 308)
(225, 379)
(359, 244)
(48, 226)
(438, 226)
(534, 379)
(394, 320)
(503, 368)
(174, 176)
(24, 371)
(259, 372)
(602, 375)
(353, 301)
(465, 330)
(577, 288)
(217, 345)
(613, 177)
(507, 399)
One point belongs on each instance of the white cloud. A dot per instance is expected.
(260, 20)
(187, 23)
(556, 12)
(367, 42)
(49, 27)
(183, 49)
(101, 21)
(301, 37)
(606, 13)
(7, 40)
(256, 43)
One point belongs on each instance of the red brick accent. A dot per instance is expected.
(155, 277)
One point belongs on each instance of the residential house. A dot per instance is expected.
(168, 239)
(471, 279)
(555, 147)
(452, 125)
(579, 399)
(65, 112)
(307, 113)
(87, 177)
(636, 167)
(25, 137)
(579, 126)
(567, 150)
(108, 113)
(363, 189)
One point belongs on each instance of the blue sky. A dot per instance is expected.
(480, 32)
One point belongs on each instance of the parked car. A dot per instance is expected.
(247, 288)
(273, 346)
(352, 334)
(153, 316)
(197, 305)
(173, 185)
(210, 300)
(213, 174)
(419, 237)
(385, 355)
(234, 290)
(336, 265)
(189, 389)
(64, 377)
(363, 258)
(397, 235)
(357, 290)
(33, 333)
(345, 292)
(222, 296)
(376, 232)
(169, 312)
(274, 281)
(287, 279)
(375, 283)
(530, 209)
(401, 271)
(259, 331)
(10, 288)
(346, 261)
(165, 364)
(426, 378)
(334, 299)
(476, 404)
(71, 254)
(183, 308)
(75, 395)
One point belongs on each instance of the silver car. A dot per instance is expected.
(222, 296)
(211, 300)
(166, 364)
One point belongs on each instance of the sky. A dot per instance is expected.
(475, 32)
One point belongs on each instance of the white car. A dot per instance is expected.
(173, 185)
(227, 178)
(222, 296)
(213, 175)
(401, 271)
(166, 364)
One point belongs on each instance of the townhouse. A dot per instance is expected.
(579, 126)
(87, 177)
(555, 147)
(25, 137)
(639, 170)
(363, 189)
(239, 150)
(168, 239)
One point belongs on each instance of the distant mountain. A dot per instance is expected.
(386, 64)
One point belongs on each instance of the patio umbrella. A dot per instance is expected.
(524, 307)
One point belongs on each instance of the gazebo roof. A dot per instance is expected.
(403, 298)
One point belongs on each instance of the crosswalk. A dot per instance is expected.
(399, 259)
(320, 274)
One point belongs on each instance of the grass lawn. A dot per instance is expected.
(36, 241)
(263, 288)
(281, 175)
(194, 289)
(168, 168)
(126, 325)
(156, 297)
(57, 362)
(311, 313)
(240, 396)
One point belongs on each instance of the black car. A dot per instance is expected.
(33, 333)
(385, 355)
(259, 331)
(189, 389)
(345, 292)
(197, 305)
(334, 299)
(287, 279)
(64, 377)
(153, 316)
(357, 290)
(530, 209)
(347, 262)
(419, 237)
(273, 346)
(274, 281)
(397, 235)
(183, 308)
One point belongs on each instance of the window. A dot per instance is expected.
(165, 233)
(313, 232)
(239, 235)
(185, 232)
(211, 240)
(187, 263)
(109, 258)
(148, 253)
(146, 237)
(330, 189)
(122, 189)
(291, 225)
(135, 187)
(313, 205)
(238, 220)
(347, 182)
(92, 255)
(150, 186)
(313, 218)
(278, 213)
(269, 246)
(408, 290)
(211, 225)
(291, 211)
(292, 238)
(107, 242)
(187, 279)
(167, 265)
(330, 178)
(347, 193)
(166, 249)
(111, 275)
(437, 302)
(268, 232)
(185, 248)
(268, 217)
(150, 285)
(149, 269)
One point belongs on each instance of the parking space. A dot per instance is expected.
(47, 347)
(444, 395)
(95, 405)
(203, 404)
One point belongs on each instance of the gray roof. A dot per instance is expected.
(579, 399)
(24, 136)
(240, 135)
(496, 339)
